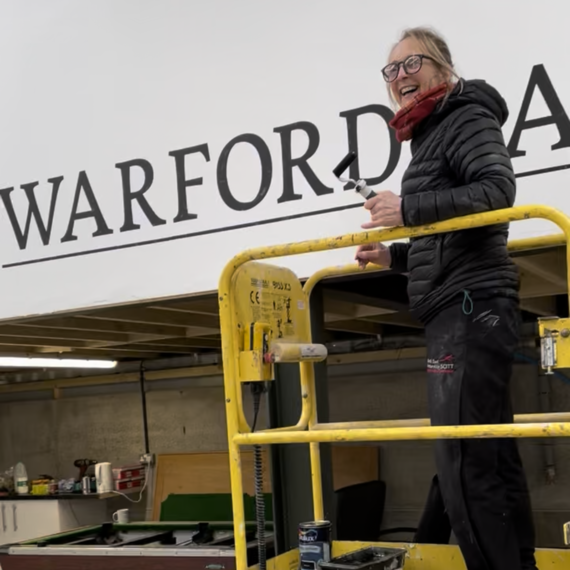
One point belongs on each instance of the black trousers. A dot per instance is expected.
(480, 490)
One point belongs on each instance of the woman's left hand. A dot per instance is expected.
(385, 211)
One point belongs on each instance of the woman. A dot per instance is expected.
(463, 287)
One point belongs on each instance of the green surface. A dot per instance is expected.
(166, 525)
(211, 507)
(65, 537)
(180, 512)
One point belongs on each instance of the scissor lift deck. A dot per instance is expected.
(264, 315)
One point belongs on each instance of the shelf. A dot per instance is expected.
(67, 496)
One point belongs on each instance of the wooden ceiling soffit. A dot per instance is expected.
(158, 317)
(82, 323)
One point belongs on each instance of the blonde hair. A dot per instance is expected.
(436, 47)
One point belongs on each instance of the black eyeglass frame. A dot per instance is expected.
(404, 65)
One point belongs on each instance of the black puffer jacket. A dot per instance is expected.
(459, 166)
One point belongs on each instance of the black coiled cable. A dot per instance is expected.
(257, 389)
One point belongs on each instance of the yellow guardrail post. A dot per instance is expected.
(229, 352)
(237, 426)
(353, 268)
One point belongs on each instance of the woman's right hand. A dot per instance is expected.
(376, 253)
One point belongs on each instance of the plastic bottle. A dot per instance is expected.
(21, 479)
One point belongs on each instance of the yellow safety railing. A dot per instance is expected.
(239, 433)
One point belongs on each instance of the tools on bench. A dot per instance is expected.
(83, 465)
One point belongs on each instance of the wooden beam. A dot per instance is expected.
(549, 266)
(98, 353)
(359, 327)
(148, 347)
(201, 306)
(358, 299)
(50, 345)
(60, 340)
(31, 331)
(43, 342)
(102, 339)
(533, 286)
(194, 342)
(132, 340)
(165, 316)
(119, 355)
(341, 310)
(541, 306)
(376, 356)
(403, 319)
(119, 378)
(81, 323)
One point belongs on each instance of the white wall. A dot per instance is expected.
(93, 85)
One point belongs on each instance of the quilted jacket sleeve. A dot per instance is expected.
(476, 153)
(399, 254)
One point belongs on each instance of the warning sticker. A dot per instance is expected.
(273, 295)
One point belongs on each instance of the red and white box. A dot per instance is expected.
(127, 484)
(129, 472)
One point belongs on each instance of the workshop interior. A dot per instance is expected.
(267, 502)
(203, 367)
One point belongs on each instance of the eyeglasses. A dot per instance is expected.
(412, 64)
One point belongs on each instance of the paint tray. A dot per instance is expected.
(371, 558)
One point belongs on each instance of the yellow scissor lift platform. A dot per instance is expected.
(264, 315)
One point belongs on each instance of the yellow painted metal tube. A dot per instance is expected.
(525, 244)
(230, 351)
(307, 399)
(391, 234)
(418, 422)
(542, 418)
(230, 359)
(514, 245)
(308, 384)
(315, 451)
(373, 424)
(557, 429)
(237, 505)
(307, 375)
(234, 421)
(316, 481)
(540, 242)
(308, 404)
(243, 425)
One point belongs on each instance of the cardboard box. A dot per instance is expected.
(129, 472)
(126, 484)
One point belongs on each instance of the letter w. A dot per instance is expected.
(33, 212)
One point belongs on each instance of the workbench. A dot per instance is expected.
(141, 546)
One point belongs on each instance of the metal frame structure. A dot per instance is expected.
(308, 429)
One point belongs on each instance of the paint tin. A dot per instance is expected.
(86, 485)
(314, 544)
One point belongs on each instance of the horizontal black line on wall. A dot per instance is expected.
(232, 228)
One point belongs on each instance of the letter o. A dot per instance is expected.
(266, 172)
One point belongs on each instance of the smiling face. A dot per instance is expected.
(419, 74)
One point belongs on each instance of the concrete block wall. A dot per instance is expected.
(185, 416)
(407, 467)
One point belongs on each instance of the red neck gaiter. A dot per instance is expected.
(417, 110)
